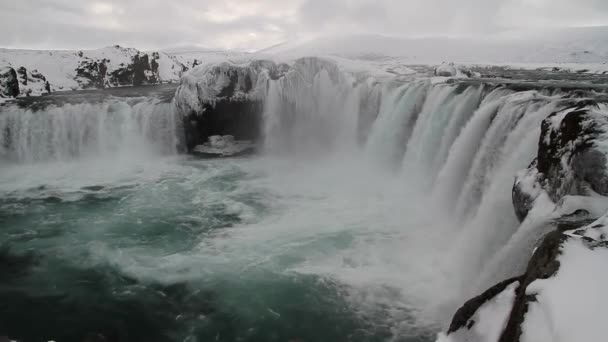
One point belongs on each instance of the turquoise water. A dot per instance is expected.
(176, 249)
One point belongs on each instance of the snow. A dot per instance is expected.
(575, 45)
(59, 66)
(490, 319)
(570, 306)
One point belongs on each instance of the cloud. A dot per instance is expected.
(252, 24)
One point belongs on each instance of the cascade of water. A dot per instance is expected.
(464, 105)
(312, 111)
(429, 128)
(80, 130)
(461, 154)
(490, 149)
(399, 110)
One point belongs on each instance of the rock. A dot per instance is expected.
(463, 317)
(451, 70)
(223, 146)
(22, 74)
(91, 73)
(543, 271)
(525, 191)
(446, 70)
(9, 84)
(571, 158)
(224, 99)
(92, 69)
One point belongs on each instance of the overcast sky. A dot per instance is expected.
(254, 24)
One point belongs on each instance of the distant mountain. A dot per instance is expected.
(574, 45)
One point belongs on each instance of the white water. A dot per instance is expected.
(413, 220)
(455, 150)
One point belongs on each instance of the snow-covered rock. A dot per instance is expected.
(558, 298)
(225, 98)
(223, 146)
(211, 83)
(9, 84)
(452, 70)
(74, 70)
(572, 157)
(32, 82)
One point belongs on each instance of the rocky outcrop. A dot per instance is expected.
(572, 157)
(452, 70)
(40, 72)
(549, 267)
(570, 174)
(225, 99)
(9, 85)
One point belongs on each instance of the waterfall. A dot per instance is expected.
(312, 108)
(88, 130)
(463, 143)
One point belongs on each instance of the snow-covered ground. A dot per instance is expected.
(582, 50)
(568, 49)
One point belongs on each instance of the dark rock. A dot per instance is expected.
(568, 160)
(566, 155)
(140, 71)
(241, 119)
(542, 265)
(9, 84)
(227, 102)
(462, 317)
(522, 196)
(22, 73)
(91, 74)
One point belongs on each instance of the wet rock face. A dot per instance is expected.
(9, 84)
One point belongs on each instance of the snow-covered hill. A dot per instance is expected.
(574, 45)
(41, 71)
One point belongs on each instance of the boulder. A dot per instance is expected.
(9, 84)
(451, 70)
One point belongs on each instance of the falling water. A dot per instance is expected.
(461, 144)
(407, 214)
(88, 130)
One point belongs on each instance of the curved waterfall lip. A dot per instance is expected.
(72, 126)
(374, 208)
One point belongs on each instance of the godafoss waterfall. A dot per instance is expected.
(373, 208)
